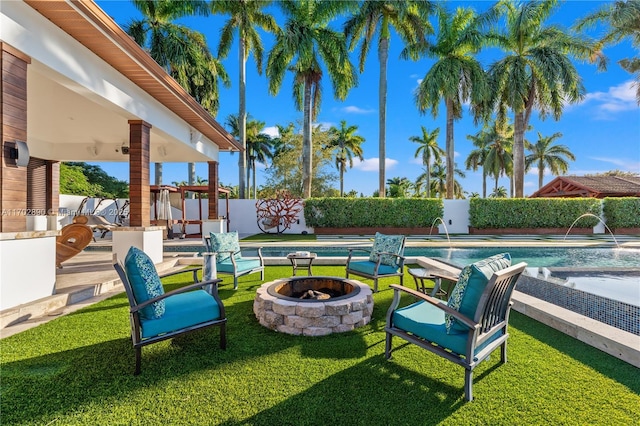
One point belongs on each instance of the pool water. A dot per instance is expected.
(534, 256)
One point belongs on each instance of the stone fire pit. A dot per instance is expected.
(339, 305)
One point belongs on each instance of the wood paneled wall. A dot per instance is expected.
(13, 110)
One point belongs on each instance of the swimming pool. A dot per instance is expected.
(582, 257)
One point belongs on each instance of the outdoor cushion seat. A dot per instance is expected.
(228, 256)
(155, 315)
(442, 328)
(385, 259)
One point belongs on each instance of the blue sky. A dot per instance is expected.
(603, 131)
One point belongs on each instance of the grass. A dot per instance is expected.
(77, 369)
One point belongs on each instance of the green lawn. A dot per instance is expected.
(77, 369)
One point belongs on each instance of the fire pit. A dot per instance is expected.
(313, 306)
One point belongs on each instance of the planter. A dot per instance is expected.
(529, 231)
(626, 231)
(373, 230)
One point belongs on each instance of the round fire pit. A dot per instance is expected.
(313, 306)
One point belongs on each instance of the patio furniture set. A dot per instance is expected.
(463, 322)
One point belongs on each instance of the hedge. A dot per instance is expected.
(622, 212)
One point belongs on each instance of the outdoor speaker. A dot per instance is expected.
(20, 153)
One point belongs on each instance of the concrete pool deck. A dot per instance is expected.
(89, 277)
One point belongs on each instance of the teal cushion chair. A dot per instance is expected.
(385, 259)
(442, 328)
(229, 259)
(155, 315)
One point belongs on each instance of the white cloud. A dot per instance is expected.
(352, 109)
(271, 131)
(623, 164)
(373, 164)
(618, 98)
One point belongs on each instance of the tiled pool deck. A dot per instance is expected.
(89, 278)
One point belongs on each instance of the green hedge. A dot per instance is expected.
(371, 212)
(622, 212)
(533, 212)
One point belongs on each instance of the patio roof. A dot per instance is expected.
(591, 186)
(89, 126)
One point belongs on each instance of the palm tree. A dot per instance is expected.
(439, 181)
(182, 52)
(623, 18)
(410, 19)
(499, 192)
(305, 42)
(399, 187)
(478, 156)
(536, 72)
(499, 159)
(346, 145)
(428, 150)
(544, 154)
(246, 16)
(259, 147)
(456, 77)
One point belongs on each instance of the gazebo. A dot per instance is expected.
(591, 186)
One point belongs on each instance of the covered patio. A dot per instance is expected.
(76, 87)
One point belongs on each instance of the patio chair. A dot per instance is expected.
(155, 315)
(72, 240)
(229, 259)
(385, 259)
(466, 328)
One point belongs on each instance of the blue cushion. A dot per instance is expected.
(389, 244)
(368, 267)
(227, 241)
(182, 310)
(145, 282)
(428, 322)
(471, 284)
(242, 265)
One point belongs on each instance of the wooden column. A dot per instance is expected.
(13, 125)
(139, 192)
(213, 190)
(53, 187)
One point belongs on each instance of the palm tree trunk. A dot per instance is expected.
(540, 173)
(307, 143)
(428, 180)
(253, 168)
(192, 177)
(518, 154)
(248, 178)
(450, 150)
(383, 54)
(341, 179)
(242, 119)
(158, 173)
(484, 183)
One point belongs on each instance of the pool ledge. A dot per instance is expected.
(618, 343)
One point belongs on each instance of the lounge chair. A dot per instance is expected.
(469, 326)
(155, 315)
(229, 259)
(385, 259)
(72, 240)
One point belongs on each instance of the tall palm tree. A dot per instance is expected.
(456, 77)
(429, 151)
(306, 42)
(477, 157)
(537, 71)
(623, 18)
(247, 16)
(182, 52)
(499, 159)
(410, 19)
(259, 147)
(439, 181)
(545, 155)
(346, 145)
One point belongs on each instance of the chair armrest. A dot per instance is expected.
(193, 270)
(352, 249)
(438, 304)
(184, 289)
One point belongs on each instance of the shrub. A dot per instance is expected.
(622, 212)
